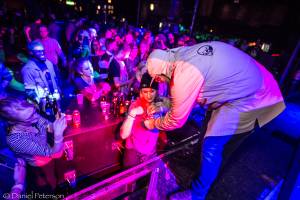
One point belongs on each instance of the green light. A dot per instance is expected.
(70, 3)
(181, 28)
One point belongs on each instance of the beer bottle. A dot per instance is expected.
(56, 109)
(48, 107)
(122, 108)
(56, 95)
(115, 104)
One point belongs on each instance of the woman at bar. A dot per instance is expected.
(27, 137)
(87, 81)
(140, 142)
(95, 57)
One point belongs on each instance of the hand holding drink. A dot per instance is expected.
(59, 125)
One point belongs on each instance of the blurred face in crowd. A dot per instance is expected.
(80, 38)
(87, 69)
(24, 112)
(171, 38)
(93, 33)
(144, 48)
(83, 37)
(147, 94)
(181, 42)
(129, 38)
(95, 45)
(134, 52)
(44, 32)
(137, 33)
(113, 47)
(108, 34)
(38, 21)
(122, 55)
(114, 32)
(147, 35)
(118, 40)
(38, 52)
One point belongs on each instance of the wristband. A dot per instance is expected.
(59, 140)
(18, 186)
(131, 116)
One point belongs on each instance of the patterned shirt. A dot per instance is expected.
(30, 142)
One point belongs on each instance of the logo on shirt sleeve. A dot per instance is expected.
(205, 50)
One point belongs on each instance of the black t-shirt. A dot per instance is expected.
(113, 71)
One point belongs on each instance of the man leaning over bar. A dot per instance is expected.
(239, 91)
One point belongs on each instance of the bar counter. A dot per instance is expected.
(90, 149)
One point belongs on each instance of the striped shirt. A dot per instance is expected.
(30, 142)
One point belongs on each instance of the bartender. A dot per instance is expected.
(240, 92)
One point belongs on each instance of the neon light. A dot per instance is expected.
(160, 24)
(275, 54)
(252, 44)
(70, 3)
(151, 6)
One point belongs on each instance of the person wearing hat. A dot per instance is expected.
(237, 89)
(141, 142)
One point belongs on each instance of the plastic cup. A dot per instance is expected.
(80, 99)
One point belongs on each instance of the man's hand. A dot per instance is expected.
(19, 172)
(59, 125)
(149, 123)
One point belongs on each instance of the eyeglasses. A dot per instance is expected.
(38, 51)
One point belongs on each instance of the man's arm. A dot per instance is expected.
(27, 146)
(39, 148)
(61, 54)
(19, 177)
(185, 88)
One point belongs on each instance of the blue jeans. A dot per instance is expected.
(215, 152)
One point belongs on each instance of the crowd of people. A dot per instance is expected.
(94, 60)
(169, 72)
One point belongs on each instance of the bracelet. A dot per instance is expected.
(130, 116)
(18, 186)
(59, 141)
